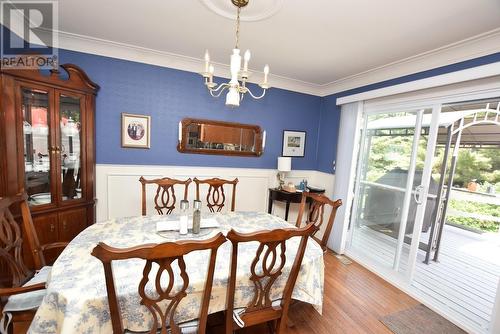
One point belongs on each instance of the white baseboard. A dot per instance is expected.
(118, 190)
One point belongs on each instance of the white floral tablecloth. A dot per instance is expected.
(76, 300)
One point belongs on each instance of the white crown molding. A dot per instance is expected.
(124, 51)
(474, 47)
(470, 48)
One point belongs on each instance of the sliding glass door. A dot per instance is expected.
(385, 222)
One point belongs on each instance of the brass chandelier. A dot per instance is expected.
(236, 87)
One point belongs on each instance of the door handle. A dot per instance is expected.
(417, 195)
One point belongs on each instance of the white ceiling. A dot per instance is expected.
(315, 41)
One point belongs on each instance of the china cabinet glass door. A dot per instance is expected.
(70, 143)
(37, 145)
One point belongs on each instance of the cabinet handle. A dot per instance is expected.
(64, 225)
(52, 228)
(54, 149)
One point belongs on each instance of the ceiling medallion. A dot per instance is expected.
(236, 87)
(255, 11)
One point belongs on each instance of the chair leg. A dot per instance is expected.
(289, 322)
(281, 325)
(272, 326)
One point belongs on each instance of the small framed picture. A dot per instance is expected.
(136, 130)
(294, 143)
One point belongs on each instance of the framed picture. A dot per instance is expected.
(294, 143)
(136, 130)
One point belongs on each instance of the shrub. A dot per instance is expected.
(483, 225)
(478, 208)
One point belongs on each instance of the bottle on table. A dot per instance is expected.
(183, 223)
(196, 216)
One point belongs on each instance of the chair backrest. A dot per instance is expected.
(215, 196)
(165, 194)
(164, 255)
(316, 214)
(11, 239)
(266, 267)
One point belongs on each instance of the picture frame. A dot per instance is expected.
(294, 143)
(136, 131)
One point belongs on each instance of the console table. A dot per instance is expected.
(276, 194)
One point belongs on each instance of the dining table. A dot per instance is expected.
(76, 299)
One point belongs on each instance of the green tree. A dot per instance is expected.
(472, 164)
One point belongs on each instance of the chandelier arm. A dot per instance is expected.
(217, 92)
(219, 87)
(254, 96)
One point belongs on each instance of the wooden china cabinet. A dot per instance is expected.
(47, 147)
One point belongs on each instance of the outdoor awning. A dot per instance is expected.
(479, 134)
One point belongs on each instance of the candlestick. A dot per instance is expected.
(211, 70)
(180, 132)
(247, 59)
(264, 140)
(207, 61)
(266, 73)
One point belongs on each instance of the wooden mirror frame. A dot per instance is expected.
(183, 148)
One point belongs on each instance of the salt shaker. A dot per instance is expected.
(183, 224)
(196, 216)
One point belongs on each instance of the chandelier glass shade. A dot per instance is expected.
(237, 86)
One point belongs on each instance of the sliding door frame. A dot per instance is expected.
(430, 98)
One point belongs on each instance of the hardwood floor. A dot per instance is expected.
(354, 300)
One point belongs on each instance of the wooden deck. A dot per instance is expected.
(463, 282)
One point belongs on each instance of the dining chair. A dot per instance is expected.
(165, 193)
(167, 298)
(318, 202)
(215, 196)
(27, 286)
(266, 267)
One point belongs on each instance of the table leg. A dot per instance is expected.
(270, 205)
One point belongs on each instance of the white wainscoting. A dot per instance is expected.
(118, 190)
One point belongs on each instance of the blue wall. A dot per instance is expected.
(168, 95)
(330, 112)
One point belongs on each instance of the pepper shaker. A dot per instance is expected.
(196, 216)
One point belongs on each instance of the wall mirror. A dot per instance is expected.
(217, 137)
